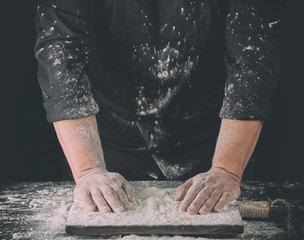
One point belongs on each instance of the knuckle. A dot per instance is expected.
(228, 195)
(107, 191)
(188, 182)
(116, 187)
(211, 180)
(195, 189)
(114, 176)
(216, 194)
(112, 179)
(96, 194)
(118, 180)
(121, 178)
(204, 193)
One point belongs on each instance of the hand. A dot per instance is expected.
(206, 191)
(104, 190)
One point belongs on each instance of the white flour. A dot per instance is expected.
(153, 206)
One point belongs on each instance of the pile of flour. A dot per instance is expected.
(152, 206)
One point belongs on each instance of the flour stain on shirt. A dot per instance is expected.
(166, 67)
(165, 70)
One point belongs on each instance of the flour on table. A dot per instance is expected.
(152, 206)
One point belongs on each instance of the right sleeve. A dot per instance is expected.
(64, 47)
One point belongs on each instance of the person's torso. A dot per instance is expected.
(159, 70)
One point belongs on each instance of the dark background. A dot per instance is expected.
(29, 147)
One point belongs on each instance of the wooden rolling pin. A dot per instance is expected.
(264, 209)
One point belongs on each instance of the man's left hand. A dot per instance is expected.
(211, 190)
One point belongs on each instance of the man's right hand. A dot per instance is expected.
(103, 190)
(95, 187)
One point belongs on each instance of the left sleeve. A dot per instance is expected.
(252, 33)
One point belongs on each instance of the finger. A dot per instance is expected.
(190, 196)
(182, 190)
(211, 202)
(128, 190)
(121, 196)
(224, 200)
(99, 201)
(112, 199)
(85, 198)
(199, 200)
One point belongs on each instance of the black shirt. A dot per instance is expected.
(158, 74)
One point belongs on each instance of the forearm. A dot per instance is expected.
(80, 142)
(235, 145)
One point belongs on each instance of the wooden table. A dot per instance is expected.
(37, 210)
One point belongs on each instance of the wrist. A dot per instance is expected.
(85, 172)
(220, 169)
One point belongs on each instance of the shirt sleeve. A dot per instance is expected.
(252, 34)
(64, 47)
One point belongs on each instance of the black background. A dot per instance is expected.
(29, 147)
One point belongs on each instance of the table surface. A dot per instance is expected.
(38, 210)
